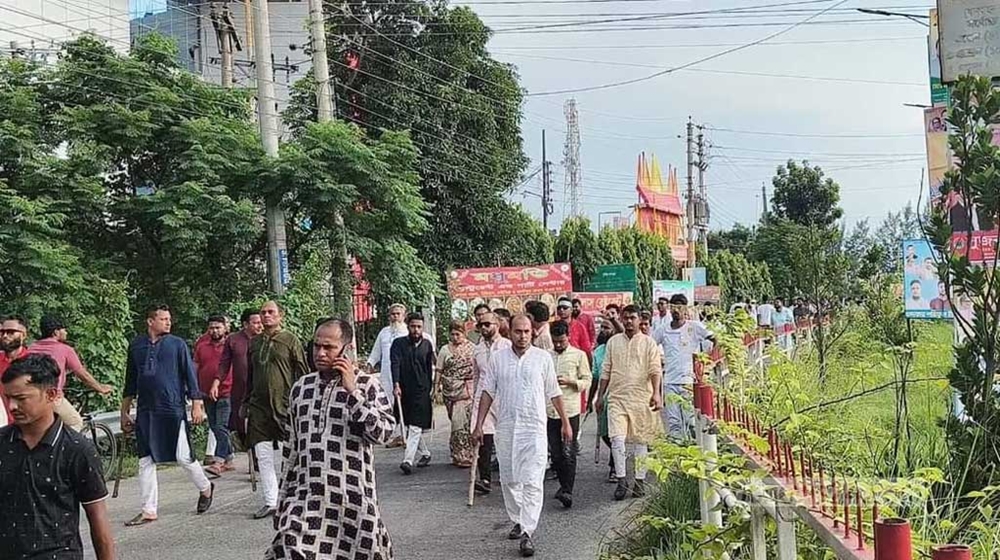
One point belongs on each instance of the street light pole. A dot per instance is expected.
(915, 18)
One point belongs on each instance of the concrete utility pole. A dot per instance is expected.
(326, 107)
(267, 115)
(227, 39)
(701, 208)
(546, 186)
(691, 224)
(763, 199)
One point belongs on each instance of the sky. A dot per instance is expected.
(831, 88)
(831, 91)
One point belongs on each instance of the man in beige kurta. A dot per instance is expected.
(631, 377)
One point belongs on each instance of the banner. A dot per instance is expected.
(939, 91)
(936, 139)
(968, 31)
(612, 278)
(703, 294)
(595, 302)
(979, 246)
(924, 295)
(697, 275)
(507, 287)
(667, 288)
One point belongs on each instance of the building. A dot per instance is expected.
(659, 210)
(190, 24)
(37, 28)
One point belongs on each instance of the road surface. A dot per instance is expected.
(425, 512)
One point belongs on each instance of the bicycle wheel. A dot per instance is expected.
(107, 447)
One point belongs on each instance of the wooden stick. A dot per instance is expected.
(472, 476)
(402, 419)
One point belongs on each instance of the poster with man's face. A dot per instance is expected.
(924, 295)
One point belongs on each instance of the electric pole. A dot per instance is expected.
(546, 186)
(763, 198)
(227, 39)
(267, 115)
(701, 208)
(343, 283)
(691, 224)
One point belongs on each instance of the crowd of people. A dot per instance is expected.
(516, 389)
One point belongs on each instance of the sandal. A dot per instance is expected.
(139, 520)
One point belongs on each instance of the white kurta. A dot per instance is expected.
(380, 356)
(520, 387)
(482, 355)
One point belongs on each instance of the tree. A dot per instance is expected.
(805, 196)
(577, 245)
(895, 228)
(649, 252)
(735, 240)
(972, 287)
(736, 276)
(773, 244)
(425, 68)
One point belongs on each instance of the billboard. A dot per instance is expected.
(970, 38)
(667, 288)
(612, 278)
(979, 246)
(595, 302)
(697, 275)
(939, 91)
(924, 295)
(704, 294)
(507, 287)
(936, 137)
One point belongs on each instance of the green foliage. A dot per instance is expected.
(736, 240)
(649, 252)
(737, 276)
(577, 245)
(805, 196)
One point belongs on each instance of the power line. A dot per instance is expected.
(690, 64)
(858, 135)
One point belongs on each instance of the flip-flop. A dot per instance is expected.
(139, 520)
(213, 471)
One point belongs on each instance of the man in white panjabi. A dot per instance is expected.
(521, 379)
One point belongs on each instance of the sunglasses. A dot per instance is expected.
(485, 324)
(11, 331)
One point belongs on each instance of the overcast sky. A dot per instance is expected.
(864, 69)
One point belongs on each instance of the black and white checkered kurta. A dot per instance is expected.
(328, 505)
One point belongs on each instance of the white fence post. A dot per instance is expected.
(758, 518)
(785, 520)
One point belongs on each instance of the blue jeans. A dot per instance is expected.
(218, 420)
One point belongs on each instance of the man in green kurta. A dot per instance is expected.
(276, 362)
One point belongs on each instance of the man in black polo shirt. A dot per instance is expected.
(47, 471)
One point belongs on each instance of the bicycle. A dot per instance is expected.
(104, 441)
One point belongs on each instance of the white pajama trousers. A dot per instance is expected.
(415, 444)
(269, 463)
(638, 450)
(523, 501)
(148, 487)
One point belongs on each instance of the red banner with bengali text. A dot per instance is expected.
(595, 302)
(703, 294)
(508, 287)
(980, 246)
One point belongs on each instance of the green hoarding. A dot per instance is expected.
(612, 278)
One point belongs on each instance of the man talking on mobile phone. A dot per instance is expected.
(328, 503)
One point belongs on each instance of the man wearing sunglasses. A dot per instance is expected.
(13, 331)
(490, 343)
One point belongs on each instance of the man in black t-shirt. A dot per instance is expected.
(48, 471)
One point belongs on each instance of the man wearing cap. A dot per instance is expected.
(579, 338)
(53, 344)
(679, 340)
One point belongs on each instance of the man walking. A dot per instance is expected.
(47, 473)
(276, 362)
(490, 343)
(522, 379)
(587, 320)
(207, 357)
(539, 314)
(53, 344)
(579, 337)
(573, 376)
(380, 357)
(335, 418)
(413, 361)
(159, 374)
(662, 315)
(477, 313)
(234, 368)
(630, 375)
(680, 339)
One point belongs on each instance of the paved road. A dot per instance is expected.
(425, 512)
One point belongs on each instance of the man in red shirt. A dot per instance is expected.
(13, 331)
(53, 344)
(578, 336)
(207, 355)
(587, 320)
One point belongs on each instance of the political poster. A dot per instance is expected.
(507, 287)
(595, 302)
(667, 288)
(924, 295)
(708, 294)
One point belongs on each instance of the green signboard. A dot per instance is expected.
(612, 278)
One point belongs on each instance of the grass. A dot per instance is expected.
(638, 538)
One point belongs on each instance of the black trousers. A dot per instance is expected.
(563, 454)
(485, 457)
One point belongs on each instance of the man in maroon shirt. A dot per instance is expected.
(207, 355)
(233, 367)
(587, 320)
(578, 336)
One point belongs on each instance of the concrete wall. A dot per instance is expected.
(44, 24)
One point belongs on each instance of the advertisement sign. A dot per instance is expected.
(936, 136)
(939, 91)
(924, 296)
(612, 278)
(507, 287)
(667, 288)
(595, 302)
(704, 294)
(697, 275)
(979, 246)
(970, 37)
